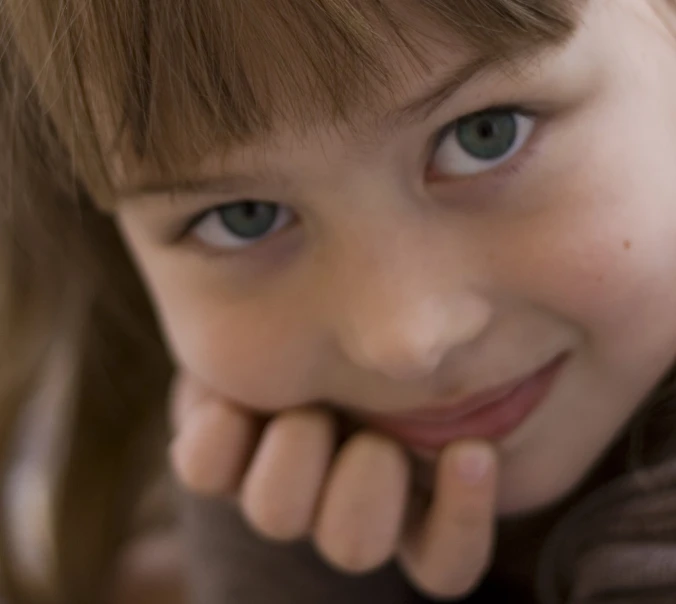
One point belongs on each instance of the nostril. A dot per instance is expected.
(398, 356)
(414, 345)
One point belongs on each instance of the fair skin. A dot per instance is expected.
(403, 273)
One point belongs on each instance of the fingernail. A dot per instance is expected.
(473, 463)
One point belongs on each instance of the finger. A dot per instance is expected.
(284, 481)
(361, 514)
(447, 554)
(185, 394)
(213, 446)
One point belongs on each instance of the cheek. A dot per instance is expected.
(253, 352)
(248, 354)
(603, 256)
(601, 248)
(260, 350)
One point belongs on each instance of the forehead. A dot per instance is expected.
(414, 92)
(172, 86)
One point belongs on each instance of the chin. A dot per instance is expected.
(526, 499)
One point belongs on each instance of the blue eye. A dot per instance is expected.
(241, 224)
(479, 142)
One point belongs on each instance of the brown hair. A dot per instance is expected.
(89, 91)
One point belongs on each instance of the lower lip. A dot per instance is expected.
(493, 422)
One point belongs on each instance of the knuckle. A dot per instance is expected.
(465, 584)
(275, 522)
(351, 563)
(376, 442)
(448, 585)
(447, 574)
(348, 556)
(469, 517)
(305, 421)
(375, 451)
(194, 476)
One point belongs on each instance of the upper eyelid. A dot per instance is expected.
(192, 222)
(195, 220)
(226, 186)
(507, 108)
(442, 132)
(500, 108)
(229, 184)
(525, 152)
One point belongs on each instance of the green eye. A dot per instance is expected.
(242, 224)
(488, 136)
(249, 219)
(481, 141)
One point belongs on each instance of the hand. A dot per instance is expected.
(356, 501)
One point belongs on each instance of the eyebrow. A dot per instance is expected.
(225, 184)
(416, 110)
(423, 106)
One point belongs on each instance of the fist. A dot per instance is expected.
(295, 477)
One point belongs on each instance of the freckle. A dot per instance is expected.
(627, 244)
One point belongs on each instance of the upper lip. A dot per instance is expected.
(449, 410)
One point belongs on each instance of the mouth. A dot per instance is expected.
(489, 415)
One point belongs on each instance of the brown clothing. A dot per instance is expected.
(618, 546)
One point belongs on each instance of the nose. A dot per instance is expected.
(401, 317)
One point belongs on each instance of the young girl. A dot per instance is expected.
(414, 266)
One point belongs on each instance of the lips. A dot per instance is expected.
(490, 415)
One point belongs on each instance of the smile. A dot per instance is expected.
(491, 415)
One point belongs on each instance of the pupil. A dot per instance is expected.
(249, 219)
(488, 136)
(486, 129)
(249, 209)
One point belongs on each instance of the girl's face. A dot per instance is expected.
(404, 262)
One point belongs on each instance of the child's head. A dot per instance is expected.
(384, 205)
(393, 263)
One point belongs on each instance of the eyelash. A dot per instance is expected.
(509, 168)
(506, 108)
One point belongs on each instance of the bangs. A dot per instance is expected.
(166, 83)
